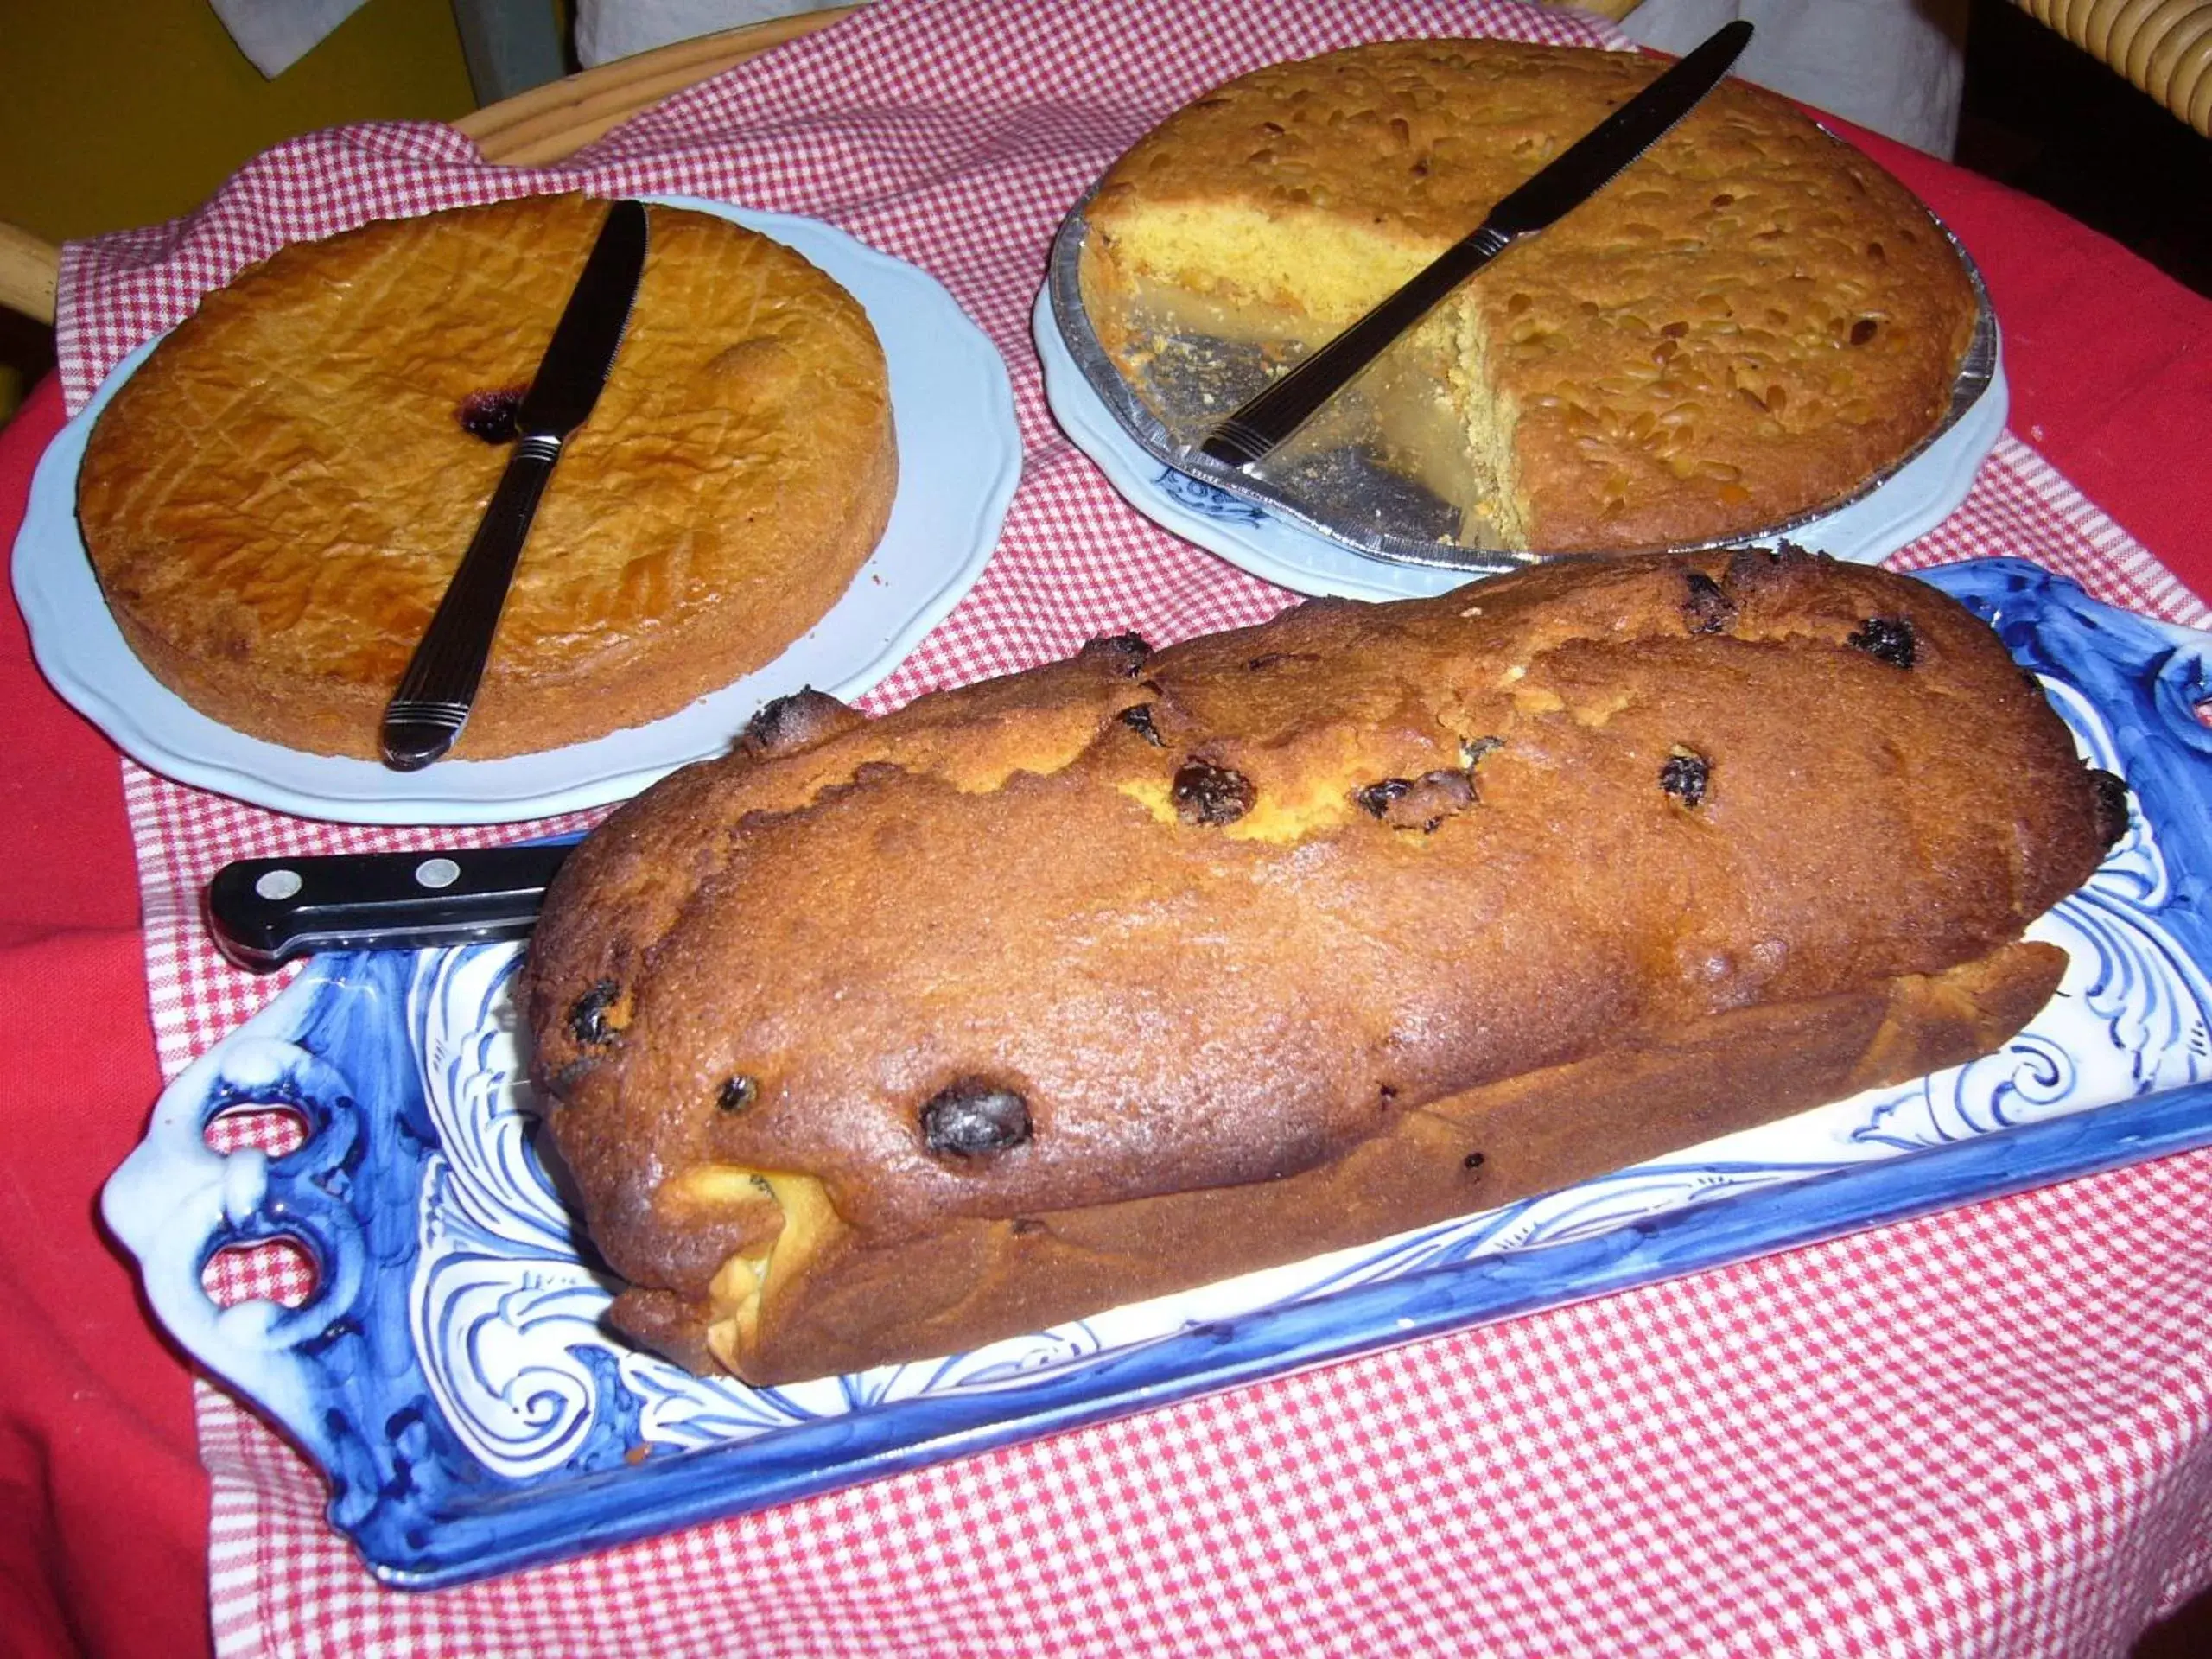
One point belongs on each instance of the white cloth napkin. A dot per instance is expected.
(1896, 65)
(278, 34)
(607, 29)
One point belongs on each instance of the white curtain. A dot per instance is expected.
(607, 29)
(1895, 66)
(278, 34)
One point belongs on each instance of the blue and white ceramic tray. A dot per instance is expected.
(450, 1372)
(959, 458)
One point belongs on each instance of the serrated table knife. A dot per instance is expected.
(427, 711)
(1570, 179)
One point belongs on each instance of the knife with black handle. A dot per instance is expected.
(426, 712)
(1256, 427)
(263, 911)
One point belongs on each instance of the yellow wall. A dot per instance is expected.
(116, 113)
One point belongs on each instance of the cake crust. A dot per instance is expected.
(1058, 990)
(275, 502)
(1747, 323)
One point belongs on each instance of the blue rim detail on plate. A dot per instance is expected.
(959, 460)
(449, 1375)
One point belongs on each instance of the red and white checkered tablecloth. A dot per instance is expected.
(1986, 1431)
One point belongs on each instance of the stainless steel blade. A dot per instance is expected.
(580, 354)
(426, 712)
(1264, 422)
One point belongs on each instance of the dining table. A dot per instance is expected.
(1985, 1429)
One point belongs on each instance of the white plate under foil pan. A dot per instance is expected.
(1341, 525)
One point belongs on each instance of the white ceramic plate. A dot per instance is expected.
(959, 458)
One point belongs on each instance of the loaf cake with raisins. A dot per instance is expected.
(1745, 325)
(276, 501)
(879, 1038)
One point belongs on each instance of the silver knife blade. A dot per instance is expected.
(1257, 427)
(263, 911)
(435, 694)
(580, 354)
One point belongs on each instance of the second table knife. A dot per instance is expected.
(1265, 420)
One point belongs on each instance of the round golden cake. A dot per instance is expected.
(1745, 324)
(275, 501)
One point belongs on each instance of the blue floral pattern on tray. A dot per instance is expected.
(451, 1375)
(1201, 497)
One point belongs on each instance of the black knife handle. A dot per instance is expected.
(263, 911)
(427, 711)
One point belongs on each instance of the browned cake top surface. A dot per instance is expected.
(275, 502)
(1747, 322)
(1217, 914)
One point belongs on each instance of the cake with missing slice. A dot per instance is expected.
(1749, 322)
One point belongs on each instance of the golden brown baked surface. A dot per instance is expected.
(883, 1038)
(275, 502)
(1746, 323)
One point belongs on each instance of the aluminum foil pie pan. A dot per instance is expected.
(1327, 482)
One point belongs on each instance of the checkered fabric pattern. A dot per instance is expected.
(1986, 1431)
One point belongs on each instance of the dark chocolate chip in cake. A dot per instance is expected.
(590, 1018)
(770, 719)
(1126, 653)
(737, 1095)
(1707, 610)
(1755, 570)
(1887, 639)
(1138, 718)
(1376, 798)
(1472, 1160)
(973, 1118)
(1864, 330)
(491, 415)
(1420, 803)
(2111, 805)
(1685, 776)
(784, 724)
(1205, 793)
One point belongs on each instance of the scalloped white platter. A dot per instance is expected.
(959, 460)
(451, 1374)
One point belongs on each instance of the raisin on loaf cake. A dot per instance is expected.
(275, 502)
(1747, 323)
(883, 1038)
